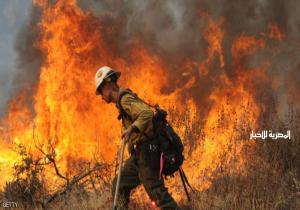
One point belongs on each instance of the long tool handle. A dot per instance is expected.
(121, 155)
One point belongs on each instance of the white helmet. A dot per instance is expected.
(103, 74)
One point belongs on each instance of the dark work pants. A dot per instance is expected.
(136, 171)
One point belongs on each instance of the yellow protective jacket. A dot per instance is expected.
(133, 111)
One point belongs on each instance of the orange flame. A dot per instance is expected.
(81, 126)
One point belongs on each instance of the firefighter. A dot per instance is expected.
(137, 130)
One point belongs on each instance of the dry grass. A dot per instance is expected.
(271, 181)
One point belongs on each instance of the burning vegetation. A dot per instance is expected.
(59, 141)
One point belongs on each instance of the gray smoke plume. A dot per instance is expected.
(27, 64)
(29, 57)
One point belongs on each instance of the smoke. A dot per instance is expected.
(168, 28)
(22, 65)
(12, 15)
(29, 57)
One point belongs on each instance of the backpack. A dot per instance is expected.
(166, 148)
(170, 144)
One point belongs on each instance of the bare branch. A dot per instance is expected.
(75, 180)
(51, 158)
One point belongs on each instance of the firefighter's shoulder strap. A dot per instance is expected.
(122, 112)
